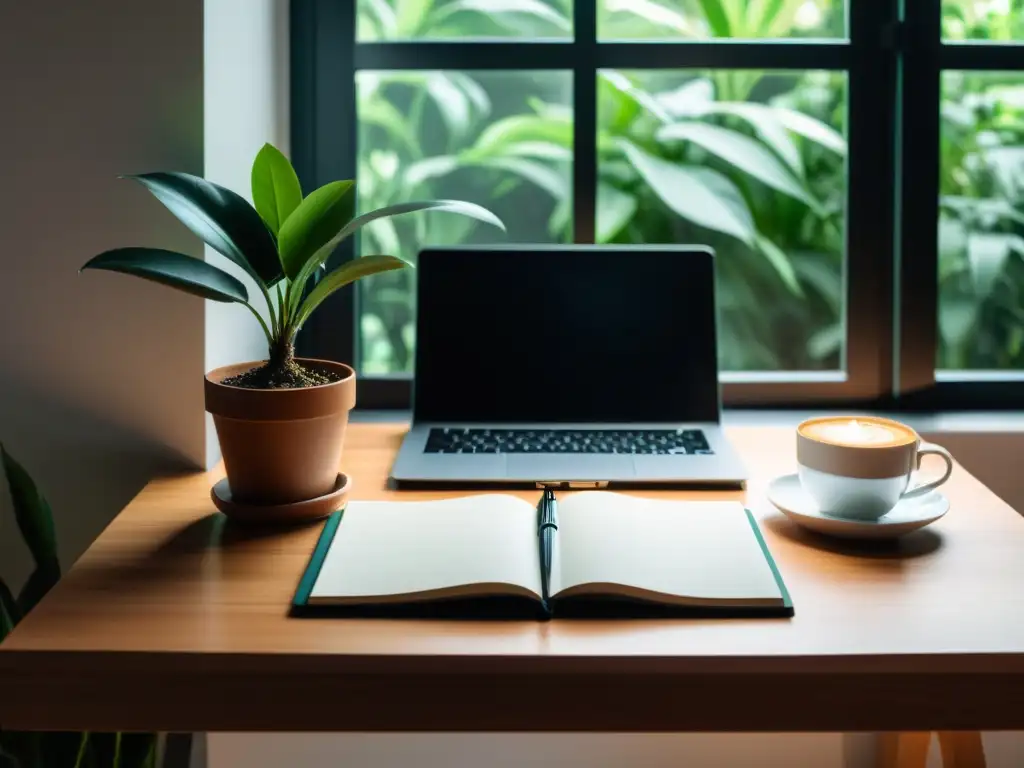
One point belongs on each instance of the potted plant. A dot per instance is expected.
(280, 422)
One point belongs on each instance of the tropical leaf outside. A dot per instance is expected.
(743, 152)
(688, 195)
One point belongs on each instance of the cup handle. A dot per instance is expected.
(924, 450)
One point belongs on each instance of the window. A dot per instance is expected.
(856, 171)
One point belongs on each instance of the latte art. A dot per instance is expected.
(857, 432)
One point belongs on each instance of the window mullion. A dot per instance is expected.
(916, 271)
(584, 177)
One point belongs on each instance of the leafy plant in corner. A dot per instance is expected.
(56, 749)
(282, 243)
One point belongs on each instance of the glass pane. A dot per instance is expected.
(462, 19)
(753, 164)
(981, 221)
(983, 20)
(737, 19)
(499, 139)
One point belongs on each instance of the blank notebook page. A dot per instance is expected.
(693, 549)
(396, 548)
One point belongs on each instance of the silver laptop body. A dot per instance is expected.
(579, 366)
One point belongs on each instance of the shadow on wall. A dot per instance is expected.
(87, 467)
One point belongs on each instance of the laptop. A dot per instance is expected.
(566, 366)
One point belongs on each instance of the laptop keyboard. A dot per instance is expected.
(632, 441)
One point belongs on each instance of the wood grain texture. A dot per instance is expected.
(175, 620)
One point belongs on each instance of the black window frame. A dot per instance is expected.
(893, 57)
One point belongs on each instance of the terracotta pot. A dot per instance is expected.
(281, 446)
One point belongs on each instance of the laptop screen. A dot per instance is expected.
(573, 334)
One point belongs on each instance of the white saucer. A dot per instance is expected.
(788, 495)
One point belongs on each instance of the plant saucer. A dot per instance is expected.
(294, 512)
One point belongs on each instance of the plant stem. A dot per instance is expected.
(282, 352)
(270, 307)
(117, 750)
(282, 308)
(81, 749)
(263, 323)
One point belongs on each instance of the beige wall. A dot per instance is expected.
(100, 374)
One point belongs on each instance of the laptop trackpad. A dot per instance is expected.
(587, 466)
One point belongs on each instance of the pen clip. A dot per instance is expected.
(546, 512)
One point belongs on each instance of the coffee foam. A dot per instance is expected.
(858, 432)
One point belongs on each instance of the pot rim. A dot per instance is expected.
(227, 371)
(285, 404)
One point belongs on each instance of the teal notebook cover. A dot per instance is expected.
(316, 560)
(301, 600)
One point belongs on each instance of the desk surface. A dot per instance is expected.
(175, 621)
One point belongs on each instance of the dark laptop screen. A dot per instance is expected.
(566, 335)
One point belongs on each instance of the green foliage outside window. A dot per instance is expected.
(750, 162)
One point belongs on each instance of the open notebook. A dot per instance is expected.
(610, 550)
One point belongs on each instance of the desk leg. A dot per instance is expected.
(960, 749)
(185, 750)
(903, 750)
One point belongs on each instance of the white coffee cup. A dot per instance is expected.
(861, 467)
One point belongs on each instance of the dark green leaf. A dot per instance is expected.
(347, 273)
(317, 219)
(10, 613)
(276, 191)
(6, 619)
(742, 152)
(222, 218)
(40, 581)
(688, 194)
(31, 511)
(173, 269)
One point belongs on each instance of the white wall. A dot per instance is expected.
(246, 104)
(100, 374)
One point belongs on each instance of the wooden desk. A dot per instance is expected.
(174, 621)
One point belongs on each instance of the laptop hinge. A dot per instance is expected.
(572, 484)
